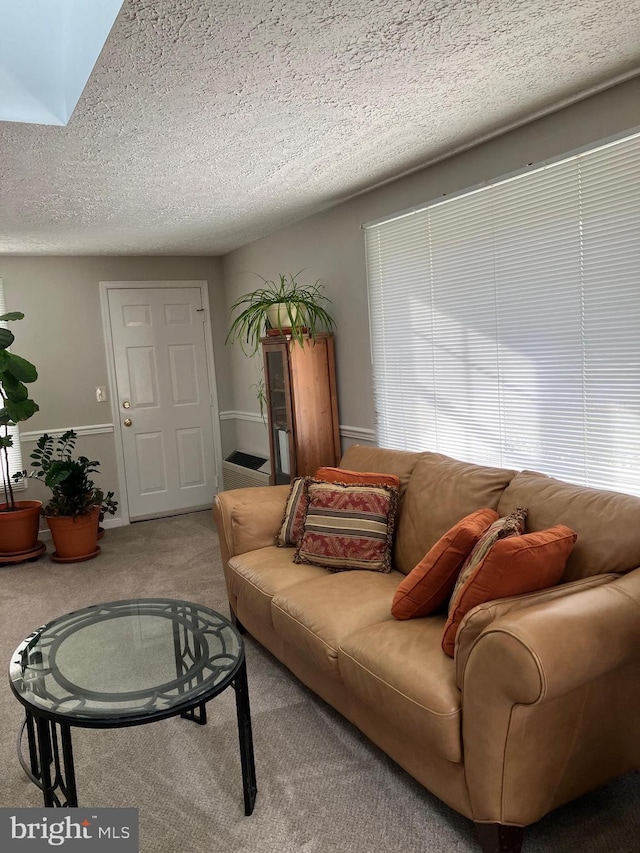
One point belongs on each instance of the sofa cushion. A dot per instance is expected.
(315, 617)
(348, 526)
(606, 522)
(441, 491)
(513, 565)
(255, 577)
(431, 583)
(399, 670)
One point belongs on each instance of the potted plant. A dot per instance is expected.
(286, 306)
(19, 520)
(76, 505)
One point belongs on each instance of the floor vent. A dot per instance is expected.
(239, 477)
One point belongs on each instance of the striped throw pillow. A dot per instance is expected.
(348, 526)
(508, 525)
(294, 513)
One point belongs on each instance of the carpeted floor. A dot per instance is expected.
(322, 787)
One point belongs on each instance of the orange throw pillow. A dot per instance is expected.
(367, 478)
(513, 566)
(431, 583)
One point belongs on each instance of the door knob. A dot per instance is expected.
(126, 405)
(128, 421)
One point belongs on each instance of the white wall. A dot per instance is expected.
(330, 245)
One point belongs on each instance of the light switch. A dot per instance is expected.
(101, 394)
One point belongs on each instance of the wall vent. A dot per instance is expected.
(242, 470)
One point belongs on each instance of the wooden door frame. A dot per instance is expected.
(105, 287)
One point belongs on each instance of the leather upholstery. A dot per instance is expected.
(255, 577)
(483, 615)
(397, 668)
(559, 717)
(441, 491)
(540, 704)
(606, 522)
(316, 616)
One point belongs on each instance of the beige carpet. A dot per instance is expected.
(322, 787)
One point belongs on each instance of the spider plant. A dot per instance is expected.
(301, 311)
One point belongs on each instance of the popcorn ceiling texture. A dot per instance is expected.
(206, 125)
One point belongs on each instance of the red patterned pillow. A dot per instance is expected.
(293, 522)
(348, 526)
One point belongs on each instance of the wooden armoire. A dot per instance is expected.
(302, 405)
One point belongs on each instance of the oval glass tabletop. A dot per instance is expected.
(126, 662)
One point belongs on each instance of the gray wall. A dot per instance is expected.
(62, 335)
(330, 245)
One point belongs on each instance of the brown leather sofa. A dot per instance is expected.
(540, 703)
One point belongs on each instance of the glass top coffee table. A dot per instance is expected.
(125, 663)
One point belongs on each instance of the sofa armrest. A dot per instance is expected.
(549, 699)
(248, 519)
(478, 620)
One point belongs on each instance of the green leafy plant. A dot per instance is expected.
(73, 492)
(302, 311)
(15, 374)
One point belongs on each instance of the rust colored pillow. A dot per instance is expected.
(368, 478)
(431, 583)
(507, 525)
(512, 566)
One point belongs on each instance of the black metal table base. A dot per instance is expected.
(50, 760)
(51, 765)
(245, 734)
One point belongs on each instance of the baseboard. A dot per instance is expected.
(113, 522)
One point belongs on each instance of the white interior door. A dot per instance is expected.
(164, 398)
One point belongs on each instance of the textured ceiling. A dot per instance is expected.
(206, 125)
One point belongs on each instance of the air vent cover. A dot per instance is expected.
(246, 460)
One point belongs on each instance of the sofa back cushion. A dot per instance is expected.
(440, 492)
(358, 457)
(607, 523)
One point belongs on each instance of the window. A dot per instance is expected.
(505, 322)
(15, 456)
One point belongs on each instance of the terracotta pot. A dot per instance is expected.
(19, 529)
(75, 538)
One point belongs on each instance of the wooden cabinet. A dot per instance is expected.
(302, 405)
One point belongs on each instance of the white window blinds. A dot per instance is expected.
(505, 323)
(15, 456)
